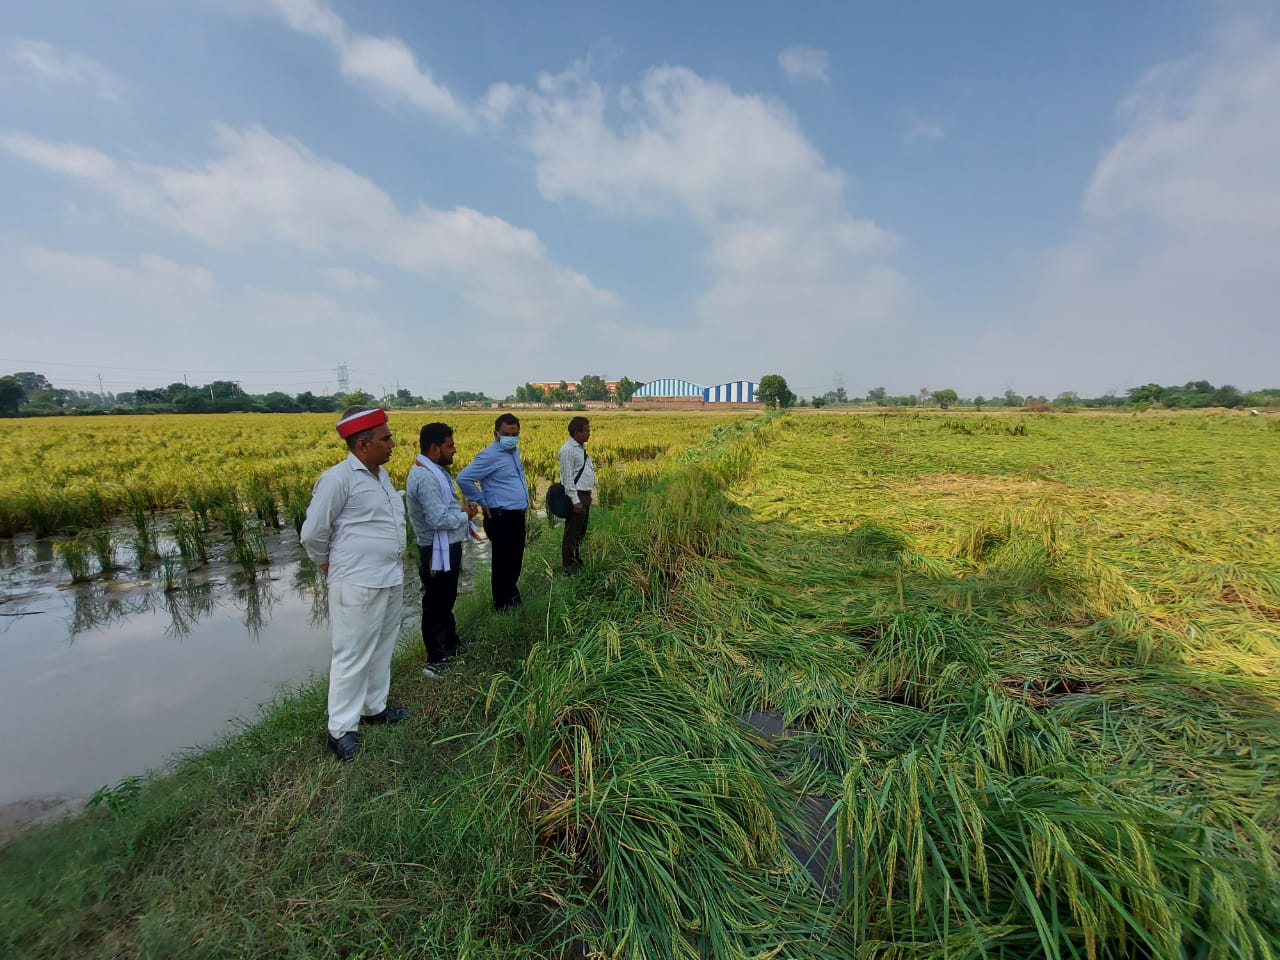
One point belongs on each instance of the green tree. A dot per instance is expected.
(308, 402)
(354, 398)
(11, 396)
(625, 390)
(945, 397)
(978, 401)
(1227, 396)
(404, 398)
(49, 397)
(592, 387)
(1011, 399)
(221, 389)
(877, 394)
(774, 391)
(530, 393)
(176, 392)
(278, 402)
(821, 401)
(1147, 393)
(32, 381)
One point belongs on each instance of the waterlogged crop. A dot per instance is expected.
(75, 473)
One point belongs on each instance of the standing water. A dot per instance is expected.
(112, 677)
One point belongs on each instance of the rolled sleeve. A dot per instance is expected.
(477, 469)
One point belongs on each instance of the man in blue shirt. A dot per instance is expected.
(494, 480)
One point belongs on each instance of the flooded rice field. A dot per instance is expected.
(111, 677)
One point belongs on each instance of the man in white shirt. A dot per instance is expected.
(355, 534)
(578, 475)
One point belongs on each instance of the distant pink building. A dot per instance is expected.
(571, 384)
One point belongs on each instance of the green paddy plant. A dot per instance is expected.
(189, 537)
(74, 554)
(197, 500)
(918, 656)
(102, 544)
(95, 508)
(47, 511)
(264, 501)
(140, 515)
(259, 543)
(297, 497)
(171, 568)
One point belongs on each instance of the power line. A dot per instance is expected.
(167, 370)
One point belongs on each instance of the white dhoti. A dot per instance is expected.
(365, 622)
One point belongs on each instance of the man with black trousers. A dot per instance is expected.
(495, 482)
(440, 524)
(578, 475)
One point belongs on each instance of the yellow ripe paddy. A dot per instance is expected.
(76, 472)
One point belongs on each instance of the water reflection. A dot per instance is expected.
(188, 606)
(255, 599)
(98, 605)
(146, 663)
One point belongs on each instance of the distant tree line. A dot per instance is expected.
(1193, 395)
(31, 394)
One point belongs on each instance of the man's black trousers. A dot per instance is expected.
(439, 592)
(575, 527)
(505, 530)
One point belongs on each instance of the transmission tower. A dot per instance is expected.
(344, 380)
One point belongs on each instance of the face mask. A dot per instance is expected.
(509, 443)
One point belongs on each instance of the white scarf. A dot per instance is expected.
(440, 540)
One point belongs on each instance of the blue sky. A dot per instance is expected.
(468, 196)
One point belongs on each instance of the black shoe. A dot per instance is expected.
(346, 746)
(388, 715)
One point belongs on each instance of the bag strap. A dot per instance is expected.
(585, 459)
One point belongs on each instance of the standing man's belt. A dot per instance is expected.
(499, 511)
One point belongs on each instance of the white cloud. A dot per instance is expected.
(71, 159)
(1171, 275)
(804, 64)
(57, 66)
(917, 127)
(347, 279)
(86, 309)
(788, 265)
(384, 64)
(154, 280)
(263, 190)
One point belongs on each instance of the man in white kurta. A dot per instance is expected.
(355, 534)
